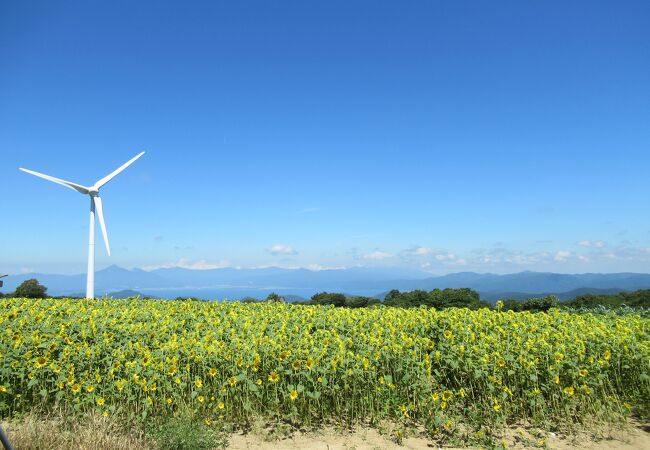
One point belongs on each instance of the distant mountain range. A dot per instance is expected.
(230, 283)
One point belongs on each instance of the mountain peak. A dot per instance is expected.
(113, 268)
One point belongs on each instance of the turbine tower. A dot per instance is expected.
(95, 206)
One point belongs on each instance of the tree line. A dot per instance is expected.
(469, 298)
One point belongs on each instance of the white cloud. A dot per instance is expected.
(318, 267)
(281, 249)
(591, 244)
(312, 267)
(584, 258)
(627, 252)
(450, 258)
(417, 251)
(185, 263)
(562, 255)
(309, 210)
(378, 255)
(519, 258)
(502, 256)
(443, 257)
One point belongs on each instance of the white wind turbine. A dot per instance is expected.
(95, 205)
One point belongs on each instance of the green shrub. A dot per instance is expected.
(186, 433)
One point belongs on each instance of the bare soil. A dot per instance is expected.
(632, 437)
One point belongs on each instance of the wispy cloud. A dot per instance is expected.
(450, 258)
(562, 255)
(319, 267)
(594, 252)
(281, 249)
(377, 255)
(629, 252)
(503, 256)
(445, 257)
(186, 263)
(417, 251)
(309, 210)
(591, 244)
(424, 256)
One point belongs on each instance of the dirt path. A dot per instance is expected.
(634, 438)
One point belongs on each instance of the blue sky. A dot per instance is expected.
(446, 136)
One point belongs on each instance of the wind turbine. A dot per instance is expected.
(95, 205)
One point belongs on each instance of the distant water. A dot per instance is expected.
(239, 293)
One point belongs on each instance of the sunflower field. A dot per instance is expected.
(448, 372)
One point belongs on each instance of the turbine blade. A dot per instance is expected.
(111, 175)
(77, 187)
(100, 216)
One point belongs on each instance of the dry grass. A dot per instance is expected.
(91, 433)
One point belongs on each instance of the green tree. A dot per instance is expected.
(359, 301)
(273, 297)
(394, 298)
(541, 304)
(31, 289)
(461, 298)
(437, 298)
(325, 298)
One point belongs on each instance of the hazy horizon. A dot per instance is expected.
(397, 269)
